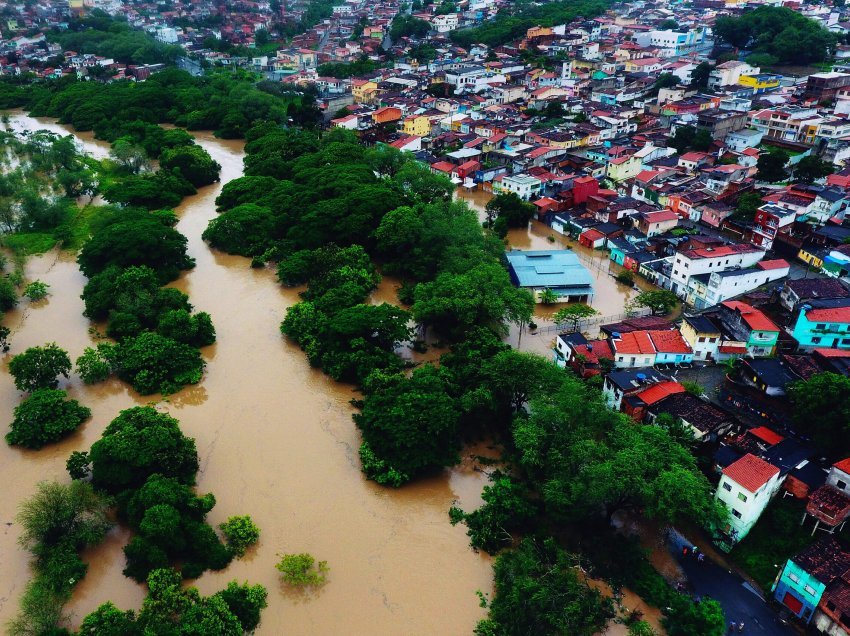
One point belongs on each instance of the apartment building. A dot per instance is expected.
(708, 260)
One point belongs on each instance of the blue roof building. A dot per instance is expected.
(558, 270)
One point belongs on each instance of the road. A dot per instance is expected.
(740, 602)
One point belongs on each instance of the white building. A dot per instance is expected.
(523, 185)
(672, 43)
(728, 73)
(727, 284)
(746, 487)
(709, 260)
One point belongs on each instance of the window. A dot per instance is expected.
(701, 339)
(727, 486)
(810, 590)
(742, 496)
(736, 513)
(830, 605)
(815, 340)
(620, 359)
(712, 339)
(820, 325)
(841, 485)
(794, 578)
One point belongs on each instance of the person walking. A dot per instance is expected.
(741, 627)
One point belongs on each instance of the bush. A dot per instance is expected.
(45, 417)
(94, 365)
(626, 278)
(241, 533)
(40, 367)
(301, 570)
(155, 364)
(36, 290)
(8, 295)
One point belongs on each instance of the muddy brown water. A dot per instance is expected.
(275, 440)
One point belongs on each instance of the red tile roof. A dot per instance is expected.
(766, 435)
(834, 314)
(750, 472)
(634, 342)
(669, 342)
(592, 235)
(733, 349)
(755, 319)
(776, 263)
(661, 215)
(658, 392)
(843, 465)
(594, 350)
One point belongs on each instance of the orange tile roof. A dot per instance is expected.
(634, 342)
(777, 263)
(755, 319)
(669, 341)
(750, 472)
(658, 392)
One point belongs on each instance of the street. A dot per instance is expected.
(740, 602)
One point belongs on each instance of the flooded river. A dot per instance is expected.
(276, 441)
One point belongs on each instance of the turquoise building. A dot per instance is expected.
(823, 323)
(804, 578)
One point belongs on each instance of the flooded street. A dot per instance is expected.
(275, 440)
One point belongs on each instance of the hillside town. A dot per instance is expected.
(643, 135)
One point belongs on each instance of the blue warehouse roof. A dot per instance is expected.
(548, 268)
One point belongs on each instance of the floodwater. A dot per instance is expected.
(276, 441)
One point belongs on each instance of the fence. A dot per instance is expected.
(590, 322)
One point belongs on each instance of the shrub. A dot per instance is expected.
(36, 290)
(40, 367)
(45, 417)
(94, 365)
(301, 570)
(241, 533)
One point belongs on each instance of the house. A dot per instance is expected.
(652, 223)
(622, 383)
(746, 487)
(592, 238)
(805, 577)
(705, 290)
(706, 421)
(703, 335)
(823, 323)
(771, 376)
(802, 290)
(523, 185)
(771, 220)
(555, 270)
(708, 260)
(387, 114)
(729, 73)
(749, 325)
(586, 358)
(646, 348)
(636, 404)
(830, 504)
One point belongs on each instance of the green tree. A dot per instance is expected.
(241, 533)
(409, 425)
(40, 367)
(302, 570)
(685, 618)
(700, 75)
(246, 602)
(108, 620)
(811, 168)
(508, 206)
(142, 240)
(8, 295)
(36, 290)
(193, 163)
(246, 229)
(538, 591)
(574, 314)
(507, 510)
(455, 303)
(94, 364)
(152, 363)
(138, 443)
(821, 407)
(660, 301)
(45, 417)
(771, 165)
(548, 297)
(747, 205)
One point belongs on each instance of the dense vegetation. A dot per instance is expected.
(511, 23)
(224, 101)
(45, 417)
(325, 209)
(98, 33)
(777, 34)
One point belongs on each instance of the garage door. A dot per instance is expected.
(792, 602)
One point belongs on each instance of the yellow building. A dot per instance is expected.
(364, 91)
(623, 168)
(812, 258)
(418, 125)
(759, 82)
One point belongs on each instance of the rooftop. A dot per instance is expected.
(750, 472)
(548, 268)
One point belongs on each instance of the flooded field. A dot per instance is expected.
(276, 441)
